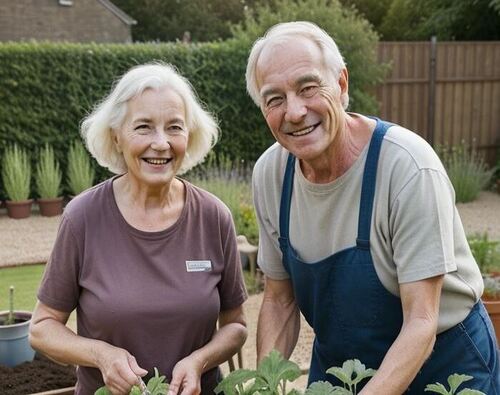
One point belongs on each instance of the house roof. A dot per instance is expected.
(118, 12)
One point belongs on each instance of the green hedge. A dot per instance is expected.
(46, 89)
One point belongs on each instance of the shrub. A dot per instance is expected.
(355, 37)
(486, 252)
(467, 170)
(80, 172)
(16, 173)
(230, 182)
(48, 174)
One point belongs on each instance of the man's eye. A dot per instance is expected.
(273, 101)
(310, 90)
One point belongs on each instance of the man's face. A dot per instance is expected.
(300, 99)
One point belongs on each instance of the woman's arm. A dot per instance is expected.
(50, 335)
(420, 300)
(226, 342)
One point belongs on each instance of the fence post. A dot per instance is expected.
(431, 112)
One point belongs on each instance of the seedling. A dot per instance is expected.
(270, 378)
(156, 386)
(10, 316)
(455, 381)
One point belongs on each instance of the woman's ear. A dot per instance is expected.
(116, 140)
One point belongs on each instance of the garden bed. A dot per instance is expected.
(37, 376)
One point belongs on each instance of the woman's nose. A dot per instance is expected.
(160, 141)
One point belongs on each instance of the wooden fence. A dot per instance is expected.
(448, 92)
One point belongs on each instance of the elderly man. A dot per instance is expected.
(359, 231)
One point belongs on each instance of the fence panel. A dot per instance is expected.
(466, 102)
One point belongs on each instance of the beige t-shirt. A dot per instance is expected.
(416, 231)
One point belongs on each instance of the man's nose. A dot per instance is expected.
(295, 109)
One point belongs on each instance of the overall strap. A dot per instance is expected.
(286, 198)
(368, 186)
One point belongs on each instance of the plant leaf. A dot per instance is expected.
(157, 385)
(102, 391)
(274, 368)
(361, 372)
(438, 388)
(455, 380)
(233, 379)
(320, 388)
(340, 374)
(468, 391)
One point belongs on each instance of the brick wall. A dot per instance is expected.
(84, 21)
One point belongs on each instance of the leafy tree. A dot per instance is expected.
(446, 19)
(168, 20)
(355, 37)
(373, 10)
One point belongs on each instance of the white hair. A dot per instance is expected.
(280, 32)
(110, 114)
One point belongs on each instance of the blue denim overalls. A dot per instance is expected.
(354, 316)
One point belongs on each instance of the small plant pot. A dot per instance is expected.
(50, 207)
(19, 210)
(14, 344)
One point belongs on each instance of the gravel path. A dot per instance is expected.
(30, 241)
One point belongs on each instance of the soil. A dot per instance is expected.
(37, 376)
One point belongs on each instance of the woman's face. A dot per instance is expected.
(154, 137)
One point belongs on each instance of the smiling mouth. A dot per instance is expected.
(304, 131)
(157, 161)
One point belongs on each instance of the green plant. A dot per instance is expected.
(270, 378)
(230, 181)
(10, 316)
(466, 169)
(486, 252)
(48, 174)
(491, 288)
(156, 386)
(454, 380)
(80, 172)
(16, 173)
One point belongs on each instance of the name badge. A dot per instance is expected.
(198, 266)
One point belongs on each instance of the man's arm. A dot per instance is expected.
(279, 319)
(420, 300)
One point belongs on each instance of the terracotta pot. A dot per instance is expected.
(493, 309)
(50, 207)
(18, 210)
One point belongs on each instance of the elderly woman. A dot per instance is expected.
(148, 260)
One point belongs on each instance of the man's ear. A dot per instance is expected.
(344, 81)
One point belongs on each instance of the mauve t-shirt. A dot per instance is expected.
(156, 294)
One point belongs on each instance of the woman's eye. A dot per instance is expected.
(175, 129)
(142, 127)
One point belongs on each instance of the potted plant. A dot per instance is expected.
(80, 171)
(487, 255)
(14, 326)
(48, 183)
(16, 176)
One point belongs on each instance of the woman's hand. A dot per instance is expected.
(119, 369)
(186, 377)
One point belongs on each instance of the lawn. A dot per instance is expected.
(26, 280)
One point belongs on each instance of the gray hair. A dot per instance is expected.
(110, 114)
(282, 31)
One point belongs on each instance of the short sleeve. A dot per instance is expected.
(421, 223)
(59, 288)
(269, 255)
(232, 289)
